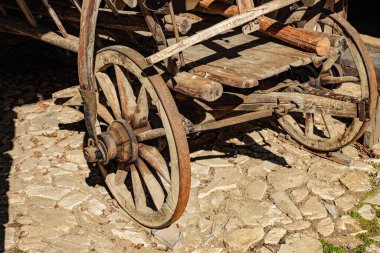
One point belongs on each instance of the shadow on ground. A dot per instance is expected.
(29, 72)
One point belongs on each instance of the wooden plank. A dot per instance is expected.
(225, 76)
(250, 56)
(219, 28)
(305, 103)
(195, 86)
(17, 26)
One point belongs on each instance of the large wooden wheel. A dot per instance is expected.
(149, 175)
(323, 132)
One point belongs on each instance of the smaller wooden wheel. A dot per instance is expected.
(324, 132)
(145, 154)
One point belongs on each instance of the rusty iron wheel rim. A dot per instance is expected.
(368, 86)
(165, 201)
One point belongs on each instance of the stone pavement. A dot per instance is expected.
(252, 193)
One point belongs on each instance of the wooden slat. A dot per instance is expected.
(55, 18)
(225, 76)
(195, 86)
(28, 14)
(249, 56)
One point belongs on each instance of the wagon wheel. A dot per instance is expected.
(323, 132)
(147, 168)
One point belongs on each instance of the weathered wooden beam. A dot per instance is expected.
(46, 35)
(219, 28)
(195, 86)
(224, 76)
(126, 21)
(296, 37)
(306, 40)
(306, 103)
(230, 121)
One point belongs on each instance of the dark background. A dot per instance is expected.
(365, 17)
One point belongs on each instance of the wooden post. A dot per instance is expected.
(244, 6)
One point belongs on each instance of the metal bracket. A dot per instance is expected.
(364, 110)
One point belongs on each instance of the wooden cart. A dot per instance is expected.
(152, 72)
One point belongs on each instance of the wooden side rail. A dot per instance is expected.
(219, 28)
(303, 39)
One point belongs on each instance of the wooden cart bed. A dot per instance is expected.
(247, 59)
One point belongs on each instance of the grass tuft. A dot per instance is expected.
(329, 248)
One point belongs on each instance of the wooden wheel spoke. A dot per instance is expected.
(121, 173)
(105, 114)
(329, 122)
(109, 92)
(138, 189)
(150, 134)
(127, 98)
(155, 159)
(140, 118)
(309, 124)
(154, 187)
(329, 62)
(291, 121)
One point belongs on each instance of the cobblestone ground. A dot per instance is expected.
(252, 192)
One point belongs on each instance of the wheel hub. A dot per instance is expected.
(118, 142)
